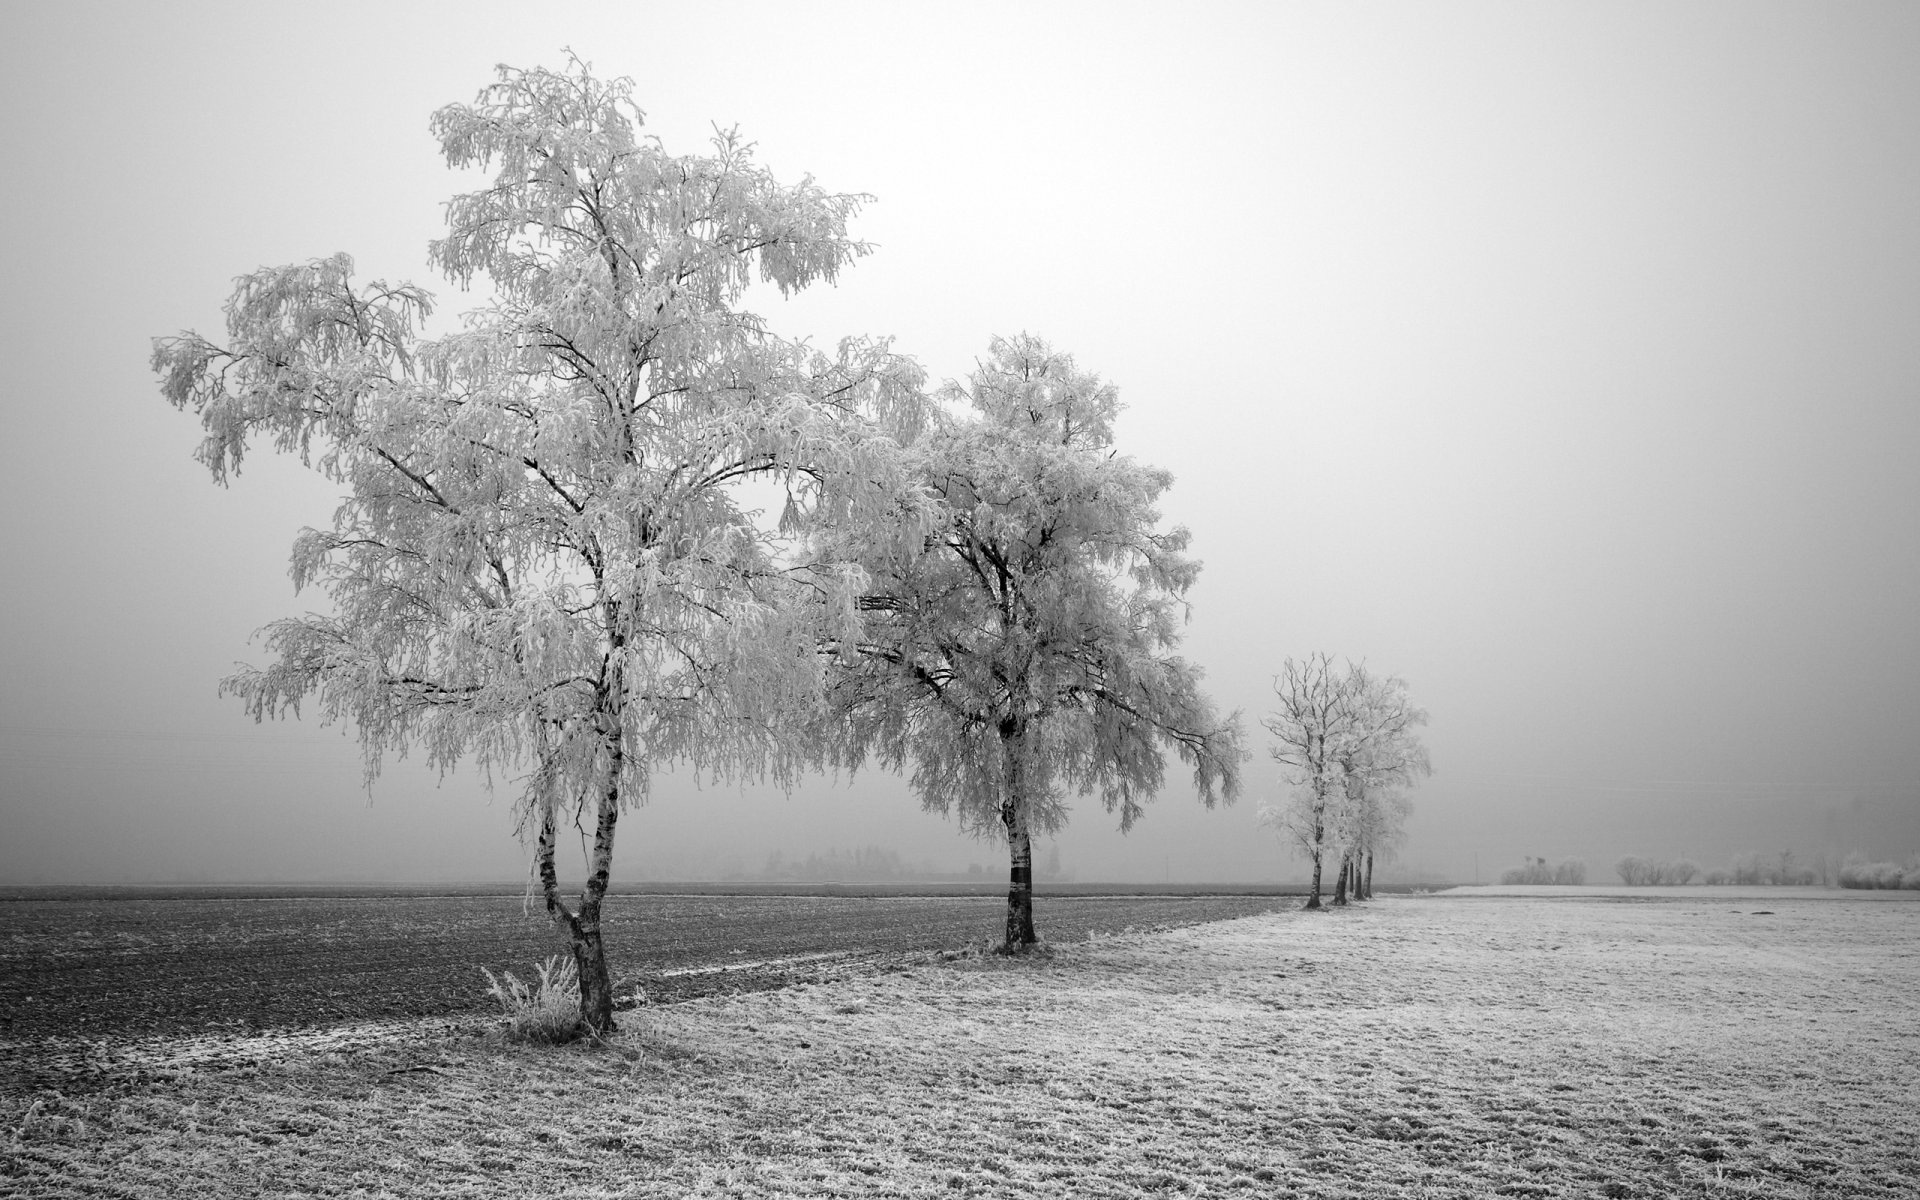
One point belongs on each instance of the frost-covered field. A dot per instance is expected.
(1436, 1046)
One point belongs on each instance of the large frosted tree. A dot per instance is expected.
(1021, 650)
(543, 562)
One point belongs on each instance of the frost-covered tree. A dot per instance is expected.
(1379, 754)
(543, 562)
(1379, 829)
(1020, 651)
(1347, 742)
(1310, 727)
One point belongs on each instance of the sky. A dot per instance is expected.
(1560, 360)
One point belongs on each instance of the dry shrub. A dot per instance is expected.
(547, 1010)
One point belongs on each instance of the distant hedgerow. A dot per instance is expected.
(1644, 872)
(1775, 869)
(545, 1011)
(1568, 871)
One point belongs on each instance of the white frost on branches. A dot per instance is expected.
(1348, 744)
(1021, 650)
(543, 559)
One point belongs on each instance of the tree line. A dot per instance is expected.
(1782, 869)
(614, 521)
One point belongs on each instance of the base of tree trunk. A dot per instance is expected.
(1033, 949)
(596, 986)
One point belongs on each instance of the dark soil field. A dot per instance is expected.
(119, 964)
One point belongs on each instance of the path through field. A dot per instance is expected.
(1422, 1047)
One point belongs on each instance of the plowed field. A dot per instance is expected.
(140, 965)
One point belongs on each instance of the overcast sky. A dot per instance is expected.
(1563, 360)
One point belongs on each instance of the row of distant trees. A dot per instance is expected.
(1859, 873)
(876, 864)
(1569, 871)
(613, 522)
(1780, 869)
(1645, 872)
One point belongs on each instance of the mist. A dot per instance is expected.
(1557, 360)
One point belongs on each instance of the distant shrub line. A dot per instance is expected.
(1644, 872)
(1857, 874)
(1566, 871)
(1778, 870)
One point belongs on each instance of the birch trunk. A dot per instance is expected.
(583, 925)
(1313, 899)
(1013, 814)
(596, 983)
(1340, 882)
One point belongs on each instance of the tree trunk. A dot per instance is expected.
(1340, 882)
(1369, 874)
(1020, 934)
(596, 983)
(583, 926)
(1013, 814)
(1316, 852)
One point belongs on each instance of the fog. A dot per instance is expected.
(1558, 359)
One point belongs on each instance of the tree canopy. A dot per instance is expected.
(1020, 650)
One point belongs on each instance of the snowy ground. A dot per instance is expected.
(1705, 893)
(1435, 1046)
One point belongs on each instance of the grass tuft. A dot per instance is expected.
(545, 1011)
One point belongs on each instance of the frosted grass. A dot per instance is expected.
(1433, 1046)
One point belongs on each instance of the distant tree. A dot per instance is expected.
(1570, 872)
(1678, 872)
(1379, 825)
(1381, 752)
(1633, 870)
(1348, 741)
(1020, 649)
(544, 560)
(1311, 727)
